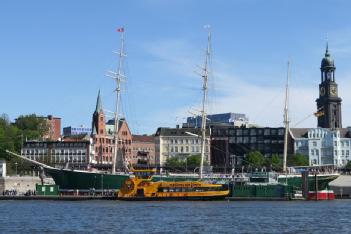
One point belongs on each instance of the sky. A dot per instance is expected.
(54, 56)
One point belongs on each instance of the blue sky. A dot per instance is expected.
(54, 56)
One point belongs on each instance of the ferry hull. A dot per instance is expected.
(194, 198)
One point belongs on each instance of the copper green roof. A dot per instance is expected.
(98, 108)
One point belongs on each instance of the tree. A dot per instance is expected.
(298, 160)
(12, 136)
(32, 126)
(194, 161)
(348, 165)
(175, 162)
(254, 159)
(276, 162)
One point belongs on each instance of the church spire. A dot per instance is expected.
(98, 108)
(327, 51)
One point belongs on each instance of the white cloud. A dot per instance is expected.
(264, 105)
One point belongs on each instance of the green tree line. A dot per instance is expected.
(12, 135)
(182, 163)
(256, 159)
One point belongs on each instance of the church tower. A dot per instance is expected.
(328, 103)
(99, 118)
(99, 131)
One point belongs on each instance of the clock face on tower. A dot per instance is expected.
(333, 91)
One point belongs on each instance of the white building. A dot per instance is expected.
(58, 152)
(172, 142)
(323, 146)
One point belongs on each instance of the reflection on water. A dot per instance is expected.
(175, 217)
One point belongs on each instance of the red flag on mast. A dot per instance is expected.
(120, 29)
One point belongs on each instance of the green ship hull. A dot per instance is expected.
(85, 180)
(296, 181)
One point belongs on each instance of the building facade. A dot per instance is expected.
(323, 146)
(143, 149)
(54, 125)
(75, 152)
(103, 139)
(179, 142)
(73, 131)
(230, 145)
(328, 103)
(234, 119)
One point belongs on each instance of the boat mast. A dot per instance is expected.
(118, 76)
(286, 118)
(204, 98)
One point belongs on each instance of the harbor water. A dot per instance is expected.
(175, 217)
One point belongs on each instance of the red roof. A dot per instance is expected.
(142, 138)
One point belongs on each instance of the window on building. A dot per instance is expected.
(335, 152)
(186, 149)
(181, 149)
(317, 152)
(335, 143)
(347, 153)
(312, 152)
(176, 149)
(342, 153)
(314, 143)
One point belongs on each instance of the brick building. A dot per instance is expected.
(143, 149)
(103, 139)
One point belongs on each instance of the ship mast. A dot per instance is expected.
(118, 77)
(204, 75)
(286, 118)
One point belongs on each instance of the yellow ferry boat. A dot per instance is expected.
(140, 187)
